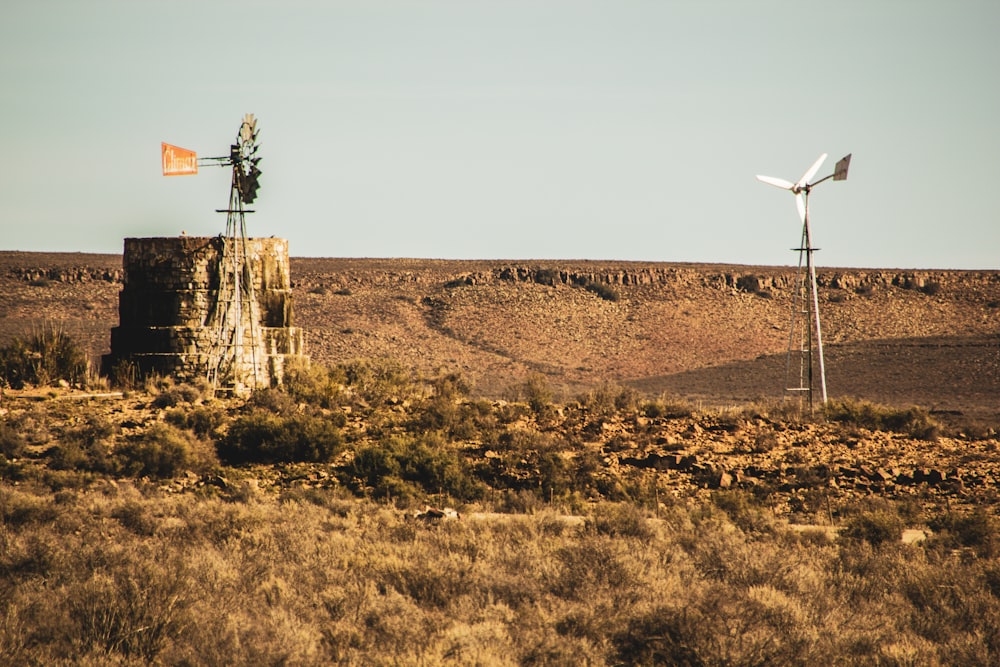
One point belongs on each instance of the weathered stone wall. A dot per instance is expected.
(169, 309)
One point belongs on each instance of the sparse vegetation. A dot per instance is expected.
(264, 437)
(612, 529)
(125, 576)
(166, 451)
(606, 292)
(47, 357)
(913, 421)
(875, 527)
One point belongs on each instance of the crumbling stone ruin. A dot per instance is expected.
(214, 307)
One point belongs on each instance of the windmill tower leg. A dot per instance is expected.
(819, 334)
(805, 303)
(798, 362)
(236, 357)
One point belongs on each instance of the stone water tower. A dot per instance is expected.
(213, 307)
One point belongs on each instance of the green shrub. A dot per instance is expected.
(202, 420)
(12, 443)
(263, 437)
(914, 421)
(169, 392)
(86, 447)
(315, 384)
(536, 392)
(977, 531)
(378, 381)
(666, 408)
(426, 462)
(606, 292)
(875, 527)
(165, 451)
(620, 520)
(44, 359)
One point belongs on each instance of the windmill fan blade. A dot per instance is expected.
(776, 182)
(800, 204)
(806, 177)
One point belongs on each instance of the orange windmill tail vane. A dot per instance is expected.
(178, 161)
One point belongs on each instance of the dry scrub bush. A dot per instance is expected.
(609, 400)
(666, 407)
(378, 382)
(264, 437)
(168, 392)
(166, 451)
(45, 358)
(405, 468)
(12, 443)
(202, 420)
(536, 392)
(85, 447)
(315, 384)
(130, 576)
(243, 574)
(876, 528)
(914, 421)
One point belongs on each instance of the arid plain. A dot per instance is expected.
(632, 490)
(709, 333)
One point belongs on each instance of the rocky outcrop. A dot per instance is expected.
(80, 274)
(756, 280)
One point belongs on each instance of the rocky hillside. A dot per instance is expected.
(712, 333)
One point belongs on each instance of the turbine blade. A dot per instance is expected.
(800, 204)
(776, 182)
(806, 177)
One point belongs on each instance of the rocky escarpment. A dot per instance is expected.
(70, 275)
(309, 275)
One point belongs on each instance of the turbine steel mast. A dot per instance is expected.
(805, 300)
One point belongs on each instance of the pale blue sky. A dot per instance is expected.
(584, 129)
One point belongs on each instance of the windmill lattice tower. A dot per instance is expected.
(236, 361)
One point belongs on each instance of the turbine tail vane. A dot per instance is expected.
(840, 172)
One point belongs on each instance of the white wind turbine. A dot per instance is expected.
(806, 299)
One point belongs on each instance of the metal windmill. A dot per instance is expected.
(235, 358)
(805, 332)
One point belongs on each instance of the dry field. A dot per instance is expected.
(631, 489)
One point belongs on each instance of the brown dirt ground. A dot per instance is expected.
(694, 335)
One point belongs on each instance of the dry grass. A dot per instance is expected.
(127, 575)
(124, 540)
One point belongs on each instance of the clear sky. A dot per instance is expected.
(516, 129)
